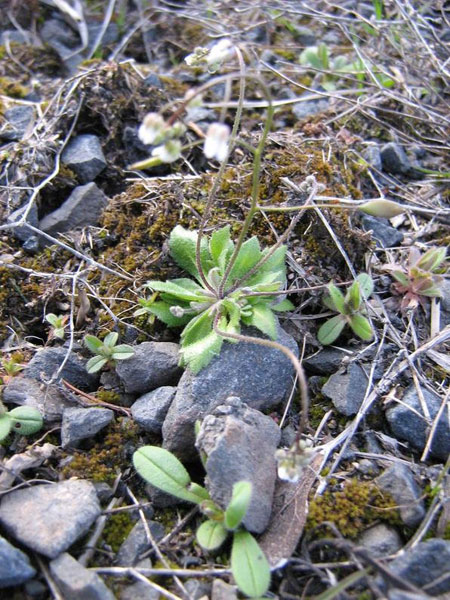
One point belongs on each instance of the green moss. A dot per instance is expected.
(352, 509)
(117, 529)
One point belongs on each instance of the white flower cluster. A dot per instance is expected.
(292, 462)
(156, 131)
(213, 57)
(216, 141)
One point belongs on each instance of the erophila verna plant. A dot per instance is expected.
(350, 308)
(420, 279)
(249, 566)
(22, 419)
(106, 351)
(225, 294)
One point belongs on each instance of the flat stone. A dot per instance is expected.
(46, 362)
(380, 541)
(239, 443)
(150, 410)
(260, 376)
(76, 582)
(50, 518)
(15, 566)
(394, 159)
(325, 362)
(153, 365)
(425, 566)
(137, 542)
(383, 233)
(347, 390)
(47, 399)
(19, 119)
(399, 482)
(406, 422)
(84, 155)
(309, 108)
(82, 208)
(81, 423)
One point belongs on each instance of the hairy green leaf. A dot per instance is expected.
(198, 328)
(53, 319)
(221, 247)
(95, 363)
(361, 327)
(199, 354)
(249, 566)
(111, 339)
(337, 298)
(93, 343)
(283, 306)
(353, 296)
(179, 289)
(182, 244)
(25, 419)
(161, 310)
(211, 535)
(263, 319)
(249, 255)
(365, 285)
(331, 330)
(122, 352)
(238, 505)
(161, 468)
(5, 426)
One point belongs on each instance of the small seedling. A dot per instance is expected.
(106, 351)
(350, 308)
(249, 566)
(145, 308)
(230, 290)
(11, 368)
(58, 323)
(22, 419)
(420, 278)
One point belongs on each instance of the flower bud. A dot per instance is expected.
(216, 141)
(152, 126)
(382, 208)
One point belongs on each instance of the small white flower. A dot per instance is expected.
(169, 152)
(152, 126)
(219, 53)
(216, 141)
(197, 57)
(293, 462)
(177, 311)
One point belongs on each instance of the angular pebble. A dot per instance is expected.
(81, 423)
(407, 423)
(76, 582)
(137, 542)
(394, 159)
(258, 375)
(15, 566)
(380, 541)
(325, 362)
(153, 365)
(19, 119)
(239, 443)
(84, 155)
(347, 390)
(399, 482)
(82, 208)
(28, 392)
(50, 518)
(150, 410)
(383, 233)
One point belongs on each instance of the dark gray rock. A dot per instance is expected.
(372, 155)
(47, 361)
(84, 155)
(347, 390)
(394, 159)
(59, 36)
(399, 482)
(15, 566)
(140, 590)
(425, 566)
(23, 233)
(76, 582)
(200, 114)
(309, 108)
(223, 591)
(153, 80)
(50, 518)
(239, 443)
(197, 588)
(260, 376)
(110, 35)
(407, 424)
(81, 423)
(325, 362)
(45, 398)
(150, 410)
(303, 35)
(153, 365)
(82, 208)
(36, 589)
(137, 542)
(380, 541)
(383, 233)
(19, 119)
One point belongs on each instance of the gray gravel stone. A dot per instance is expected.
(137, 542)
(19, 119)
(76, 582)
(139, 590)
(325, 362)
(347, 390)
(50, 518)
(239, 443)
(384, 234)
(29, 392)
(84, 155)
(260, 376)
(425, 566)
(197, 588)
(399, 482)
(150, 410)
(394, 159)
(406, 424)
(373, 156)
(153, 365)
(23, 233)
(82, 208)
(47, 361)
(380, 541)
(223, 591)
(81, 423)
(308, 108)
(15, 566)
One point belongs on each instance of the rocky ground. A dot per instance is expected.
(366, 113)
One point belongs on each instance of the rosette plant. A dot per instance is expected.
(233, 285)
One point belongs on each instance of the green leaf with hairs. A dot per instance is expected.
(283, 306)
(249, 254)
(122, 352)
(238, 505)
(25, 420)
(365, 285)
(336, 299)
(199, 354)
(161, 309)
(263, 319)
(93, 343)
(183, 244)
(249, 566)
(211, 535)
(178, 289)
(361, 327)
(96, 363)
(110, 339)
(331, 330)
(221, 247)
(353, 297)
(5, 426)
